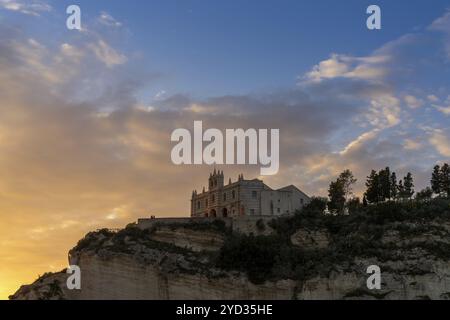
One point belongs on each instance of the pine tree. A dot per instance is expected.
(394, 187)
(385, 184)
(436, 183)
(401, 190)
(445, 180)
(408, 186)
(373, 188)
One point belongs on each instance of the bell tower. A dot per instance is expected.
(215, 180)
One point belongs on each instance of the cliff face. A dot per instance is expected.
(120, 276)
(191, 262)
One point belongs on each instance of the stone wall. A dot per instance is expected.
(245, 224)
(189, 239)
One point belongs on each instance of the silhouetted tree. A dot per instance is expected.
(384, 177)
(408, 186)
(353, 205)
(336, 195)
(373, 188)
(394, 186)
(436, 183)
(425, 194)
(317, 204)
(348, 180)
(364, 201)
(445, 179)
(340, 191)
(401, 190)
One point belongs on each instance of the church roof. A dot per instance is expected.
(291, 187)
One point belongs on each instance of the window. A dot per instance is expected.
(301, 201)
(206, 203)
(224, 197)
(213, 198)
(252, 211)
(254, 194)
(278, 210)
(198, 204)
(233, 194)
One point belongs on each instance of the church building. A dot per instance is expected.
(245, 197)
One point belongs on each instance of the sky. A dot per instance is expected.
(86, 115)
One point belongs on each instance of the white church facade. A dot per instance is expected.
(245, 198)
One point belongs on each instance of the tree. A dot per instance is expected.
(353, 205)
(372, 184)
(348, 180)
(336, 195)
(340, 191)
(394, 187)
(425, 194)
(445, 179)
(408, 185)
(317, 204)
(384, 177)
(436, 180)
(401, 190)
(364, 201)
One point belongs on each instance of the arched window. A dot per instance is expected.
(224, 196)
(198, 204)
(233, 194)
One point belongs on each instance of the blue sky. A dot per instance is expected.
(86, 116)
(208, 48)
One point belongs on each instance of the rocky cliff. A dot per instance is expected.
(308, 256)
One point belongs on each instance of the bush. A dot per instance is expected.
(260, 225)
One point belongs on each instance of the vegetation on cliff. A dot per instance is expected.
(424, 225)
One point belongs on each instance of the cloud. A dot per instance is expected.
(107, 54)
(344, 66)
(33, 7)
(444, 110)
(384, 111)
(432, 98)
(107, 20)
(413, 102)
(410, 144)
(360, 141)
(441, 141)
(442, 23)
